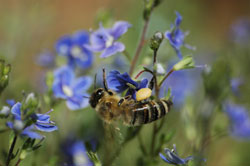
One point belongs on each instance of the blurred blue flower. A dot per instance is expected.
(73, 47)
(235, 84)
(240, 120)
(42, 122)
(182, 84)
(176, 36)
(121, 82)
(66, 86)
(172, 157)
(76, 154)
(240, 31)
(11, 102)
(104, 40)
(45, 59)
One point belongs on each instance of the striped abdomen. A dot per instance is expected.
(150, 111)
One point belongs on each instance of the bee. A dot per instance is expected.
(111, 107)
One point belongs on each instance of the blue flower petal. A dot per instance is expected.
(11, 102)
(98, 40)
(29, 132)
(178, 19)
(240, 120)
(16, 110)
(85, 60)
(65, 74)
(45, 127)
(57, 89)
(143, 84)
(113, 49)
(173, 157)
(80, 38)
(119, 28)
(118, 82)
(164, 158)
(81, 84)
(63, 45)
(77, 102)
(43, 118)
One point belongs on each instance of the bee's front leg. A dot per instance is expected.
(123, 99)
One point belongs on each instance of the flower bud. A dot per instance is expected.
(186, 63)
(156, 40)
(5, 111)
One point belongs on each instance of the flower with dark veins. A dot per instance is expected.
(66, 86)
(73, 47)
(121, 82)
(104, 40)
(41, 122)
(240, 120)
(172, 157)
(176, 36)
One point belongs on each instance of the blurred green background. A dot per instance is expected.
(28, 27)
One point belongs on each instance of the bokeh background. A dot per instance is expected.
(30, 27)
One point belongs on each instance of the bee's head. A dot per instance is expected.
(97, 95)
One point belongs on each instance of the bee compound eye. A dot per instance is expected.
(110, 93)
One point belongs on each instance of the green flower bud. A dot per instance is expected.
(31, 101)
(186, 63)
(156, 40)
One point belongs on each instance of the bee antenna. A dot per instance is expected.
(95, 81)
(104, 80)
(86, 97)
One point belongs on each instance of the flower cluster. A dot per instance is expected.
(29, 125)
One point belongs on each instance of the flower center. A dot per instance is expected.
(80, 158)
(63, 49)
(109, 41)
(77, 52)
(67, 90)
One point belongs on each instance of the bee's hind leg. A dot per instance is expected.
(123, 99)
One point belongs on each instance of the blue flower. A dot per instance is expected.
(46, 59)
(182, 84)
(104, 40)
(76, 154)
(240, 120)
(73, 47)
(66, 86)
(176, 36)
(235, 84)
(42, 123)
(240, 31)
(121, 82)
(173, 158)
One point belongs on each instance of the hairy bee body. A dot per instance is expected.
(111, 107)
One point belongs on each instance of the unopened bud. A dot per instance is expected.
(156, 40)
(186, 63)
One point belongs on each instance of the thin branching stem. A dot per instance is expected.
(11, 150)
(166, 76)
(139, 47)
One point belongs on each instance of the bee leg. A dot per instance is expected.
(152, 83)
(123, 99)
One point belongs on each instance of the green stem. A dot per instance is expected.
(139, 47)
(11, 150)
(166, 76)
